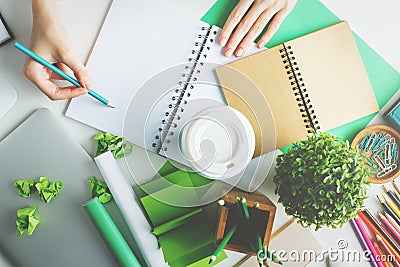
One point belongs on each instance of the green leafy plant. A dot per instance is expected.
(321, 181)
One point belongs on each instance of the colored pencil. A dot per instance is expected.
(392, 221)
(59, 72)
(273, 257)
(266, 258)
(384, 233)
(221, 202)
(369, 242)
(260, 248)
(388, 210)
(364, 244)
(379, 231)
(259, 241)
(223, 243)
(387, 248)
(397, 195)
(245, 208)
(380, 254)
(389, 226)
(391, 195)
(392, 205)
(396, 187)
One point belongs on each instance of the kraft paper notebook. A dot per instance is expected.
(313, 83)
(309, 16)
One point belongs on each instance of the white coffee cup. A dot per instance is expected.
(218, 142)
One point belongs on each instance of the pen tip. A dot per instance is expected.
(110, 105)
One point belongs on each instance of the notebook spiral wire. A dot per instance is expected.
(299, 89)
(188, 77)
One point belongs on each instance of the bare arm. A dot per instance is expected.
(49, 41)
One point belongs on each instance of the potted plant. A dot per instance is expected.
(321, 181)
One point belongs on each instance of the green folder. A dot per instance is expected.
(183, 232)
(309, 16)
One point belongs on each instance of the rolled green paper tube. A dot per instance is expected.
(110, 233)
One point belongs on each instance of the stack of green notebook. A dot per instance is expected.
(183, 232)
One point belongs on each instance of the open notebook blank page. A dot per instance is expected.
(138, 40)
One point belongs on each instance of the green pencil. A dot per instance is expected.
(245, 209)
(260, 248)
(222, 244)
(221, 202)
(260, 245)
(266, 259)
(273, 257)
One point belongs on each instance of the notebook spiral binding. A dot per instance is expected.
(188, 78)
(299, 89)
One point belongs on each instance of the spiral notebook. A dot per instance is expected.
(315, 82)
(152, 77)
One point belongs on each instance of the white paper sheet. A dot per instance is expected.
(128, 204)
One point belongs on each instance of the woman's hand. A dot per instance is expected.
(247, 21)
(49, 41)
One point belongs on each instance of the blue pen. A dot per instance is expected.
(62, 74)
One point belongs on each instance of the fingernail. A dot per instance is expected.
(239, 52)
(88, 84)
(222, 41)
(261, 44)
(228, 52)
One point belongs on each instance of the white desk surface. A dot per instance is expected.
(374, 21)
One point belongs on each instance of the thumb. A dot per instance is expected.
(79, 70)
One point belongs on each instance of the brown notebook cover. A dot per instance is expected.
(317, 81)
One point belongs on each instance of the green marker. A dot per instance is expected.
(222, 244)
(245, 209)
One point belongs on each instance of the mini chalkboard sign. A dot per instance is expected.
(261, 214)
(5, 32)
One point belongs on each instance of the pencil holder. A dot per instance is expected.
(256, 224)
